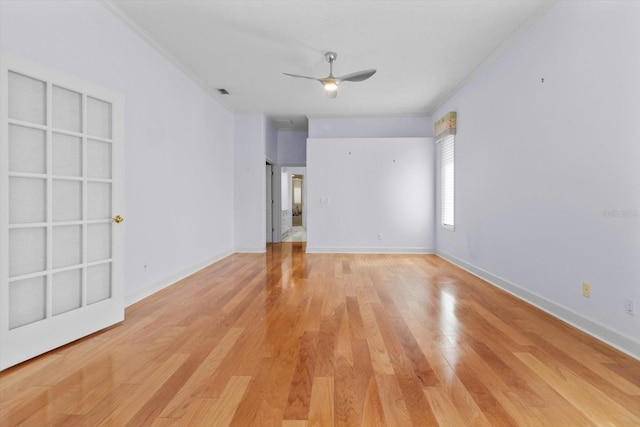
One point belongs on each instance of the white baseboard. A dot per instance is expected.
(622, 342)
(170, 280)
(422, 251)
(250, 250)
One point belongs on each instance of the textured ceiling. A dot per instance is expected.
(423, 50)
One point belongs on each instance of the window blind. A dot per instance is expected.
(447, 181)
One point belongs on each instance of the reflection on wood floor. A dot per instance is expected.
(295, 234)
(290, 339)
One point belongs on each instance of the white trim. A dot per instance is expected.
(240, 250)
(4, 207)
(421, 251)
(147, 291)
(366, 116)
(276, 196)
(617, 340)
(293, 165)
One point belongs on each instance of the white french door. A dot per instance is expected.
(61, 163)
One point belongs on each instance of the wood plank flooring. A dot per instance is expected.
(292, 339)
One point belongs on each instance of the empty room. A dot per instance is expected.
(319, 213)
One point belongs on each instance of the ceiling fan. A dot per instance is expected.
(331, 82)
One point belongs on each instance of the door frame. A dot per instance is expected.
(269, 229)
(274, 202)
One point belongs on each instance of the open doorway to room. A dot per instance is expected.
(293, 204)
(296, 200)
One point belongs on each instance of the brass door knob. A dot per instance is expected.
(117, 219)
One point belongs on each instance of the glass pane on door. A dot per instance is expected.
(67, 200)
(98, 242)
(98, 159)
(27, 301)
(27, 99)
(67, 291)
(98, 283)
(27, 150)
(27, 251)
(67, 245)
(99, 200)
(98, 118)
(27, 200)
(67, 109)
(67, 155)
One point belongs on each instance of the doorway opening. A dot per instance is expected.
(293, 204)
(296, 200)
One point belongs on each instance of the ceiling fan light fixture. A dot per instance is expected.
(330, 86)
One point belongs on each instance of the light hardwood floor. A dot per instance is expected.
(290, 339)
(296, 234)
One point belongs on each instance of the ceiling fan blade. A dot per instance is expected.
(357, 76)
(302, 77)
(330, 83)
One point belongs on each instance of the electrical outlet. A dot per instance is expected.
(630, 306)
(586, 290)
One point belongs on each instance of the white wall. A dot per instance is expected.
(540, 165)
(271, 141)
(292, 147)
(371, 127)
(360, 187)
(178, 139)
(285, 189)
(249, 183)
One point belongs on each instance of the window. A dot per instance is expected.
(447, 177)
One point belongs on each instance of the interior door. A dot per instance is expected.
(61, 152)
